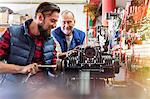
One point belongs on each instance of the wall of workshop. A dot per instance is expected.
(77, 9)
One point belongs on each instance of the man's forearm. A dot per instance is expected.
(10, 68)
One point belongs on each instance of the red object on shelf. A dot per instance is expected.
(87, 26)
(107, 6)
(94, 32)
(95, 2)
(142, 10)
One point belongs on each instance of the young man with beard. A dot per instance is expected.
(67, 36)
(25, 46)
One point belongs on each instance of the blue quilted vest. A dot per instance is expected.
(22, 47)
(78, 38)
(21, 53)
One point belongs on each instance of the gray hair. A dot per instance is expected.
(66, 12)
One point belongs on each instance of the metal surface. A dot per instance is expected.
(26, 79)
(93, 85)
(85, 85)
(47, 66)
(92, 58)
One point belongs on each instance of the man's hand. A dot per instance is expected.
(77, 47)
(31, 68)
(73, 52)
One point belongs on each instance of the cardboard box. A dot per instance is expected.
(3, 17)
(14, 19)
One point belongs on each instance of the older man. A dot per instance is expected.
(67, 36)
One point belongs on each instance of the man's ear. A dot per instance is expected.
(40, 17)
(74, 21)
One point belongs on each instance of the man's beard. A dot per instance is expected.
(43, 32)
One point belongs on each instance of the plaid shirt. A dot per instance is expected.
(38, 54)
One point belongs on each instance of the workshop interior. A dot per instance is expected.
(112, 63)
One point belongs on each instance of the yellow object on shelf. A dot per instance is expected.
(2, 29)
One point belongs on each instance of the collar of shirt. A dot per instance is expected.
(27, 23)
(68, 40)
